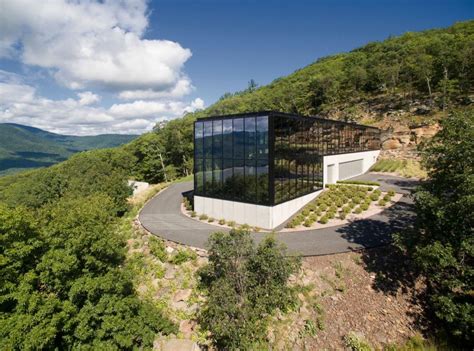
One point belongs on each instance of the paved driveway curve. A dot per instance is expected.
(162, 216)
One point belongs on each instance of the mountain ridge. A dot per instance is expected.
(26, 147)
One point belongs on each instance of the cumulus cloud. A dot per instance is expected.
(94, 43)
(20, 103)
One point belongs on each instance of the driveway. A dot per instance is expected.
(162, 216)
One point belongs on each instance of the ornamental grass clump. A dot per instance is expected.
(391, 193)
(221, 221)
(324, 219)
(203, 217)
(342, 215)
(211, 219)
(364, 206)
(374, 196)
(358, 210)
(382, 202)
(387, 198)
(308, 222)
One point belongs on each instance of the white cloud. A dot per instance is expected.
(87, 43)
(87, 98)
(19, 103)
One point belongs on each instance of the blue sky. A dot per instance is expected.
(234, 41)
(106, 66)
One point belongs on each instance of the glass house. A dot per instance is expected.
(271, 158)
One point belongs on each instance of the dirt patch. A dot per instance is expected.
(365, 293)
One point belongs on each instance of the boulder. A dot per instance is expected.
(182, 295)
(391, 144)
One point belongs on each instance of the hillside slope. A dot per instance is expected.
(401, 84)
(23, 147)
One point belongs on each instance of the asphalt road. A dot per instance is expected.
(162, 216)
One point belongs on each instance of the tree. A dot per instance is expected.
(442, 245)
(244, 285)
(62, 282)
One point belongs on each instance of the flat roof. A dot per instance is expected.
(278, 113)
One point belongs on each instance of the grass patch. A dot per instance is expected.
(358, 182)
(404, 168)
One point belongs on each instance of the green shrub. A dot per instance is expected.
(308, 222)
(342, 215)
(346, 209)
(323, 206)
(356, 343)
(211, 219)
(231, 224)
(290, 224)
(157, 248)
(193, 214)
(235, 311)
(382, 202)
(377, 191)
(203, 217)
(221, 221)
(313, 217)
(351, 204)
(364, 206)
(391, 193)
(358, 182)
(324, 219)
(305, 212)
(374, 196)
(333, 208)
(257, 229)
(387, 198)
(370, 188)
(331, 214)
(317, 212)
(339, 202)
(183, 256)
(358, 210)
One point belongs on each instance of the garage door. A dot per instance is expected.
(350, 169)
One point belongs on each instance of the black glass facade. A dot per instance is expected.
(268, 158)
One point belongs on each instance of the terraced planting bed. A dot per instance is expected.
(341, 203)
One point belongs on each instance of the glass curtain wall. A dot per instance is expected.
(232, 155)
(231, 159)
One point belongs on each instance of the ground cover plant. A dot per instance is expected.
(404, 168)
(339, 201)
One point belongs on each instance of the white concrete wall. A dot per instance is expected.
(368, 159)
(266, 217)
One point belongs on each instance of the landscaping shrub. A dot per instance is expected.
(331, 214)
(324, 219)
(387, 198)
(374, 196)
(221, 221)
(346, 209)
(339, 202)
(308, 222)
(391, 193)
(323, 206)
(364, 206)
(231, 224)
(358, 182)
(193, 214)
(203, 217)
(382, 202)
(342, 215)
(305, 212)
(358, 210)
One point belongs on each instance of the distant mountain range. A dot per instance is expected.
(23, 147)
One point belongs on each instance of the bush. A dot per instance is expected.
(183, 256)
(364, 206)
(305, 212)
(358, 182)
(346, 209)
(245, 284)
(323, 206)
(387, 198)
(193, 214)
(382, 202)
(342, 215)
(339, 202)
(391, 193)
(211, 219)
(374, 196)
(231, 224)
(308, 222)
(351, 204)
(331, 214)
(157, 248)
(203, 217)
(221, 221)
(324, 219)
(358, 210)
